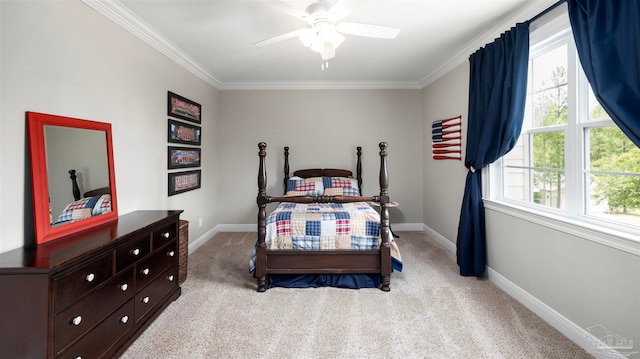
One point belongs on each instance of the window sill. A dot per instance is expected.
(620, 240)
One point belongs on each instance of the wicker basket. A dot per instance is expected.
(184, 251)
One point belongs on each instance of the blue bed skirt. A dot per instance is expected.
(352, 281)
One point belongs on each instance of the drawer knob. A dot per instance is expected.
(171, 253)
(124, 287)
(124, 319)
(136, 252)
(90, 277)
(145, 271)
(77, 320)
(145, 300)
(170, 278)
(78, 358)
(166, 234)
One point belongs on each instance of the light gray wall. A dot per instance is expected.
(64, 58)
(444, 179)
(322, 129)
(587, 282)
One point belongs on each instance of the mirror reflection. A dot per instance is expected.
(77, 173)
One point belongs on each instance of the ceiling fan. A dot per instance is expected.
(325, 32)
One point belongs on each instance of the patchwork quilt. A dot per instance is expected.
(315, 226)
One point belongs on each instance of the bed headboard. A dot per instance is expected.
(324, 172)
(76, 190)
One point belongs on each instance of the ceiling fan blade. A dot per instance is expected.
(273, 40)
(366, 30)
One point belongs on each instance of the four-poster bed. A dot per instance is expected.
(323, 226)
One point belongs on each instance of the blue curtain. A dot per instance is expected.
(607, 35)
(497, 94)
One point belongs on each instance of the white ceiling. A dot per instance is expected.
(214, 39)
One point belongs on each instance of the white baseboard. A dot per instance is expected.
(407, 227)
(575, 333)
(439, 238)
(193, 246)
(578, 335)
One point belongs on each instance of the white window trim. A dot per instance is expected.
(614, 236)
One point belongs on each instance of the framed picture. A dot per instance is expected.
(183, 181)
(180, 132)
(182, 108)
(183, 157)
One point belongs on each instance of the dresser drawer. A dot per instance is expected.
(73, 284)
(153, 294)
(164, 235)
(78, 318)
(151, 267)
(102, 337)
(132, 252)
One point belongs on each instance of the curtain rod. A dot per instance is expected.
(546, 11)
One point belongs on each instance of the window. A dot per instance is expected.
(571, 159)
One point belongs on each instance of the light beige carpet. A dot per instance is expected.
(431, 312)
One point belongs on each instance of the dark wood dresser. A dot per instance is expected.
(91, 294)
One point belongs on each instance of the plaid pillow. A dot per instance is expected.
(341, 192)
(340, 186)
(297, 186)
(85, 207)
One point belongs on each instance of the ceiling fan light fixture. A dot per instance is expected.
(307, 36)
(317, 45)
(319, 35)
(326, 32)
(328, 52)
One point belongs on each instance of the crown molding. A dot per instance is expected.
(119, 14)
(462, 55)
(322, 86)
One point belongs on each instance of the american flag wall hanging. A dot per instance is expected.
(446, 136)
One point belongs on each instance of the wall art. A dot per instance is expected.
(179, 132)
(180, 182)
(183, 157)
(182, 108)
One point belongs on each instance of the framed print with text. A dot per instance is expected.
(180, 182)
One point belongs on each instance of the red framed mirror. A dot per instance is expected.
(73, 179)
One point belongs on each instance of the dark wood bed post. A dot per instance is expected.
(359, 168)
(286, 167)
(74, 185)
(385, 250)
(261, 250)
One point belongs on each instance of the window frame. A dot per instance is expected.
(549, 32)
